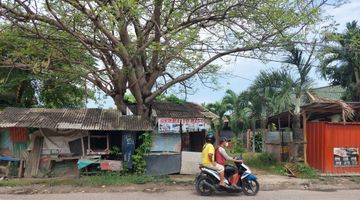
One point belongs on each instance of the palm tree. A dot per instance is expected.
(301, 84)
(340, 63)
(239, 111)
(219, 108)
(270, 94)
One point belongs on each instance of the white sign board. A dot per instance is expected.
(172, 125)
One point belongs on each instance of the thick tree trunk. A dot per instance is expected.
(120, 104)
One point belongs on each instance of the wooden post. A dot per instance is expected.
(21, 169)
(305, 136)
(89, 149)
(82, 146)
(279, 124)
(289, 121)
(107, 142)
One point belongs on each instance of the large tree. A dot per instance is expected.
(340, 60)
(51, 82)
(146, 47)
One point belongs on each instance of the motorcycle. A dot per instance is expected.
(207, 182)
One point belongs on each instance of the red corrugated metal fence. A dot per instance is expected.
(323, 137)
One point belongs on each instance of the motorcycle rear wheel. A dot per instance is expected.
(250, 187)
(202, 188)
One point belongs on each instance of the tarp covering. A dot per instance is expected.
(82, 163)
(7, 158)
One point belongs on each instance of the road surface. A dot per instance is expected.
(174, 195)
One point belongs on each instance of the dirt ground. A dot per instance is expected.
(262, 195)
(185, 182)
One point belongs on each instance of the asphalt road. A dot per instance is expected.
(173, 195)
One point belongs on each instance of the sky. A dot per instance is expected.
(244, 70)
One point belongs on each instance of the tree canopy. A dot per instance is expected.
(146, 47)
(48, 79)
(340, 60)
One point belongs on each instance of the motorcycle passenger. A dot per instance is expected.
(208, 154)
(221, 157)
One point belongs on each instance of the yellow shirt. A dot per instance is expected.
(207, 149)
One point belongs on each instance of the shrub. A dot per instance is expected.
(140, 153)
(260, 160)
(306, 171)
(236, 146)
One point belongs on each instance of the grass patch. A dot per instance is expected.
(259, 160)
(96, 180)
(305, 171)
(268, 163)
(263, 161)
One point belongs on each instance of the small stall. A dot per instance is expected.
(61, 142)
(180, 128)
(330, 136)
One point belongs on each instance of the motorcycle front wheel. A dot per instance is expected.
(250, 187)
(202, 186)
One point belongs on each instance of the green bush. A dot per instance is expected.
(140, 153)
(237, 146)
(306, 171)
(260, 160)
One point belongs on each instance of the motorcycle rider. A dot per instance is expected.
(208, 155)
(221, 157)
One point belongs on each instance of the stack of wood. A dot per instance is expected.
(292, 169)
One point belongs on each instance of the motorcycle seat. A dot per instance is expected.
(205, 167)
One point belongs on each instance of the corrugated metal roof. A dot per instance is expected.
(181, 110)
(82, 119)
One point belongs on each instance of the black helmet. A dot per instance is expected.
(210, 138)
(223, 139)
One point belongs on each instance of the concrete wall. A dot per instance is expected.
(190, 162)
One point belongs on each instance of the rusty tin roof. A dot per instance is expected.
(178, 110)
(81, 119)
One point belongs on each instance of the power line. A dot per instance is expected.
(237, 76)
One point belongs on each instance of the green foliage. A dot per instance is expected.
(258, 142)
(237, 146)
(340, 60)
(140, 153)
(240, 112)
(170, 98)
(113, 178)
(115, 151)
(190, 33)
(219, 108)
(260, 160)
(129, 98)
(267, 161)
(106, 178)
(306, 171)
(48, 76)
(264, 161)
